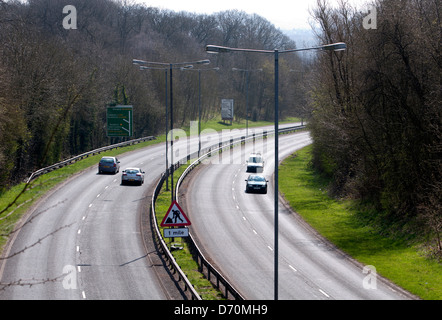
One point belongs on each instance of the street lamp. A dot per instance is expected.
(339, 46)
(171, 66)
(247, 94)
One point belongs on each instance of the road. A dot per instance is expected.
(236, 230)
(83, 240)
(90, 227)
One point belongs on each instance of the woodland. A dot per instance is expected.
(376, 114)
(56, 83)
(374, 110)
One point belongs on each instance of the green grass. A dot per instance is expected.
(42, 185)
(218, 125)
(183, 257)
(339, 222)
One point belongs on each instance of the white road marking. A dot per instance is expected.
(83, 294)
(325, 294)
(292, 268)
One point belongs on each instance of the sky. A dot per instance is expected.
(284, 14)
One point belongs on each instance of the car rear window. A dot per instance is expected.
(107, 160)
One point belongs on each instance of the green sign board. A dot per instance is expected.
(119, 121)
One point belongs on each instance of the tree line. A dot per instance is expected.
(376, 119)
(56, 83)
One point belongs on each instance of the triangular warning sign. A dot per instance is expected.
(175, 217)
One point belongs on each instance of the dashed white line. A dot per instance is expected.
(325, 294)
(79, 231)
(98, 195)
(292, 268)
(78, 248)
(270, 248)
(90, 205)
(254, 231)
(83, 294)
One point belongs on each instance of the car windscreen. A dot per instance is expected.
(256, 178)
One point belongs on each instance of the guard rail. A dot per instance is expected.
(200, 259)
(85, 155)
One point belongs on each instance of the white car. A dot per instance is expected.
(132, 175)
(255, 163)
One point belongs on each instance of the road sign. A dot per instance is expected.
(120, 121)
(175, 217)
(227, 109)
(176, 233)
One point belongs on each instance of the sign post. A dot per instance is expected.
(119, 121)
(175, 217)
(227, 110)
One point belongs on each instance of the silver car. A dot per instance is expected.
(132, 175)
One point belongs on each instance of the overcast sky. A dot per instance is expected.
(284, 14)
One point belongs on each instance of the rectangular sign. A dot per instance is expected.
(227, 109)
(176, 233)
(119, 121)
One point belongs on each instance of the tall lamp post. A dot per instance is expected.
(327, 47)
(171, 67)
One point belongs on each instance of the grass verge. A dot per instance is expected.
(337, 220)
(183, 257)
(45, 183)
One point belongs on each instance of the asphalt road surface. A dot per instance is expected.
(83, 239)
(236, 230)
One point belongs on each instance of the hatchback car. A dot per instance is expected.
(255, 163)
(109, 164)
(256, 183)
(132, 175)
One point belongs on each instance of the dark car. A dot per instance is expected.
(109, 164)
(256, 183)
